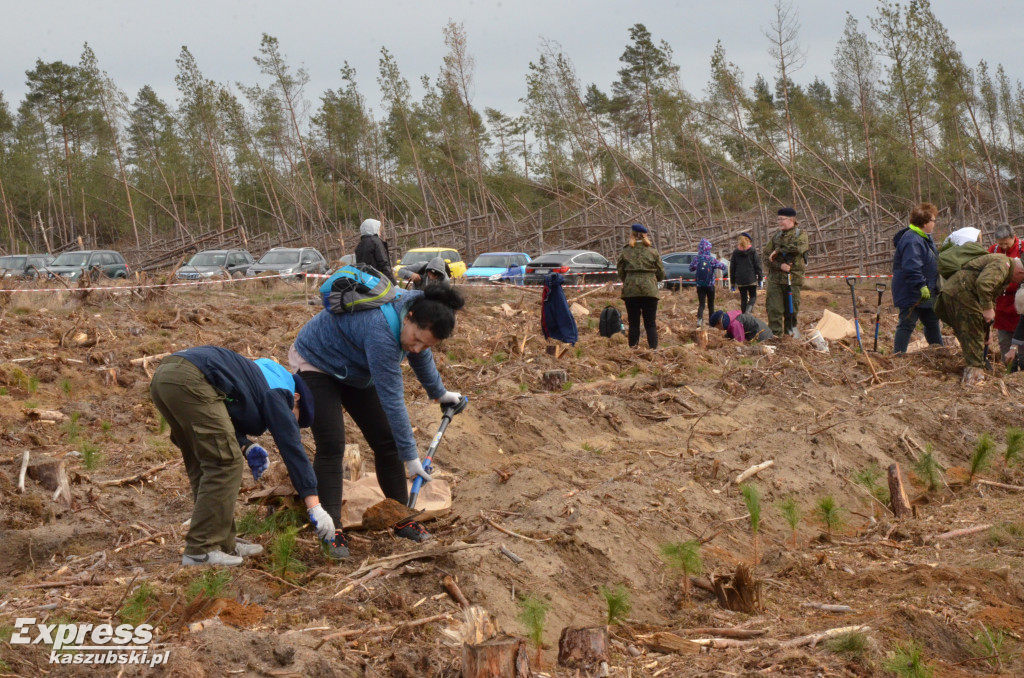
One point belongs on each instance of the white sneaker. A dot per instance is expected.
(216, 557)
(245, 548)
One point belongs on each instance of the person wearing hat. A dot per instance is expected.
(745, 271)
(640, 269)
(372, 250)
(742, 327)
(786, 254)
(435, 271)
(212, 398)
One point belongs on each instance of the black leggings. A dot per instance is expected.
(648, 307)
(708, 294)
(748, 295)
(362, 404)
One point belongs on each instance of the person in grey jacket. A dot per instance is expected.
(372, 250)
(353, 362)
(433, 272)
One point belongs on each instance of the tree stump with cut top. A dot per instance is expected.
(900, 504)
(505, 657)
(584, 649)
(554, 380)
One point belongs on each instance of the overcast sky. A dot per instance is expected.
(137, 41)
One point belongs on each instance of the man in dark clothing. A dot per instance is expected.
(742, 327)
(373, 251)
(212, 398)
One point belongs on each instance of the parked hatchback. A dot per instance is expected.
(296, 261)
(494, 263)
(576, 267)
(72, 265)
(209, 263)
(23, 265)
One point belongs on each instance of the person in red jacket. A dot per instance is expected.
(1006, 315)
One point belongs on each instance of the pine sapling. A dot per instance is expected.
(907, 661)
(282, 554)
(1014, 445)
(981, 458)
(752, 498)
(683, 557)
(618, 603)
(829, 513)
(791, 512)
(532, 612)
(928, 469)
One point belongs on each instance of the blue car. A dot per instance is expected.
(490, 264)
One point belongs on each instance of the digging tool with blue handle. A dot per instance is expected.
(880, 288)
(447, 413)
(789, 307)
(852, 282)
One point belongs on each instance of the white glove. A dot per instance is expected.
(322, 522)
(414, 467)
(450, 398)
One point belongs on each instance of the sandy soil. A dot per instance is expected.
(586, 484)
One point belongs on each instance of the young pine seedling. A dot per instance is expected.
(868, 478)
(532, 612)
(210, 585)
(752, 499)
(791, 513)
(908, 662)
(1014, 445)
(928, 469)
(981, 458)
(618, 603)
(829, 513)
(282, 554)
(137, 607)
(683, 557)
(91, 456)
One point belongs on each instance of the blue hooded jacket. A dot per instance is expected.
(705, 264)
(914, 265)
(359, 349)
(556, 320)
(259, 396)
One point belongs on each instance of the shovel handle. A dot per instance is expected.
(447, 413)
(851, 280)
(879, 287)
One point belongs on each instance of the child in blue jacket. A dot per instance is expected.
(705, 264)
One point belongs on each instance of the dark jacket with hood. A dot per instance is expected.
(371, 249)
(745, 267)
(915, 264)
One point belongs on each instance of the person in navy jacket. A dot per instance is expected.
(915, 278)
(213, 399)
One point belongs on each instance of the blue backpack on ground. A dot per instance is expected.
(361, 287)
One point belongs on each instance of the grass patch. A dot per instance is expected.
(138, 605)
(210, 584)
(907, 661)
(618, 605)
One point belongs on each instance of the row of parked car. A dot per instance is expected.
(574, 265)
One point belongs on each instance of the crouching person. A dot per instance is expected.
(212, 398)
(742, 327)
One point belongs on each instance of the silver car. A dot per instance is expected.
(297, 261)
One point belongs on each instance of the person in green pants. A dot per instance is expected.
(784, 255)
(212, 398)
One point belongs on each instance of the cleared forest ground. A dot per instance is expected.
(640, 449)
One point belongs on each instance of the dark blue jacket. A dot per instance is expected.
(256, 406)
(556, 320)
(914, 265)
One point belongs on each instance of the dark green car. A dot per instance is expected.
(71, 265)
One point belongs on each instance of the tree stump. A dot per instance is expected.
(900, 504)
(505, 657)
(52, 475)
(701, 337)
(585, 649)
(554, 380)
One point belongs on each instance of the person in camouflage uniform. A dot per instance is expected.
(785, 256)
(967, 303)
(640, 269)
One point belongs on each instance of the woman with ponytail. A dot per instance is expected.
(640, 269)
(352, 362)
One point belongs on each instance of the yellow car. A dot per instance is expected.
(420, 255)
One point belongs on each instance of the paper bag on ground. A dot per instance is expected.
(435, 499)
(835, 327)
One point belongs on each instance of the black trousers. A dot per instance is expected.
(705, 294)
(648, 308)
(330, 396)
(748, 295)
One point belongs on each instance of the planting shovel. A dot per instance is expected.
(447, 413)
(789, 306)
(852, 282)
(880, 288)
(988, 340)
